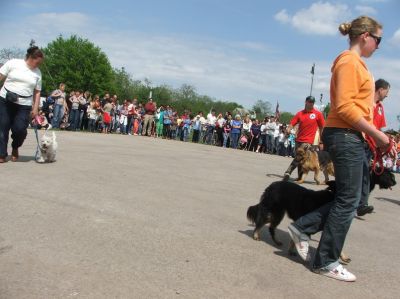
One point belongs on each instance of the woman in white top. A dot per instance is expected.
(19, 99)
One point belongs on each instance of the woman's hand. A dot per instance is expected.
(383, 143)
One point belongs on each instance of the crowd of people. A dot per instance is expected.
(81, 111)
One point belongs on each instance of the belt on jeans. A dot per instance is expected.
(346, 130)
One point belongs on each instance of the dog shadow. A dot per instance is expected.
(26, 159)
(393, 201)
(283, 251)
(265, 236)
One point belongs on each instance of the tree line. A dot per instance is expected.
(82, 65)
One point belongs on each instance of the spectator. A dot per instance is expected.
(227, 130)
(235, 131)
(220, 129)
(107, 108)
(150, 109)
(123, 118)
(211, 120)
(167, 122)
(76, 100)
(186, 126)
(60, 105)
(255, 131)
(262, 143)
(91, 115)
(159, 121)
(196, 125)
(270, 129)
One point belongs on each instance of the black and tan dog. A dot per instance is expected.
(286, 197)
(312, 160)
(296, 201)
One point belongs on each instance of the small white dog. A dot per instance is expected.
(47, 149)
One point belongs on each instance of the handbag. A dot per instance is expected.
(13, 97)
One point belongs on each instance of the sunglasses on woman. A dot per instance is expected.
(376, 38)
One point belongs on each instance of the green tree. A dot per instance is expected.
(79, 64)
(326, 110)
(262, 108)
(285, 117)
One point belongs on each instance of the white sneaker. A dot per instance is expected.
(338, 273)
(300, 243)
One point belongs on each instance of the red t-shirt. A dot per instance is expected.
(308, 121)
(150, 108)
(379, 116)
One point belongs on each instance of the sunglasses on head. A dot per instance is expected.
(376, 38)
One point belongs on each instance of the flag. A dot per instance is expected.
(312, 69)
(277, 113)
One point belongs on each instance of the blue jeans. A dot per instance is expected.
(16, 118)
(209, 134)
(234, 139)
(58, 114)
(226, 136)
(91, 125)
(74, 119)
(270, 143)
(348, 152)
(186, 134)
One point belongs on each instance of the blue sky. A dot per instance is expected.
(233, 50)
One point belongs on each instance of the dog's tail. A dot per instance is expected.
(252, 213)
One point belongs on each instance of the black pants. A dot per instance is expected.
(16, 118)
(196, 134)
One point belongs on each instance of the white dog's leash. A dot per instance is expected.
(34, 125)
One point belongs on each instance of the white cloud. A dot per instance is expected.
(373, 1)
(320, 18)
(282, 16)
(365, 10)
(395, 40)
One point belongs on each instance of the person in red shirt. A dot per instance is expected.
(381, 92)
(150, 109)
(309, 120)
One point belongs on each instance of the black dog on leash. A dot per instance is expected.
(281, 197)
(297, 201)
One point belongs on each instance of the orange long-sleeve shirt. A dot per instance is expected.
(352, 91)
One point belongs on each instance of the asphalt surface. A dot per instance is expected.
(136, 217)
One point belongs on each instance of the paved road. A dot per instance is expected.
(135, 217)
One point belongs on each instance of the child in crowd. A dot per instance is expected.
(41, 121)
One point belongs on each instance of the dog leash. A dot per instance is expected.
(378, 155)
(35, 129)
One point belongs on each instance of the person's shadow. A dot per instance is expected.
(282, 251)
(393, 201)
(26, 158)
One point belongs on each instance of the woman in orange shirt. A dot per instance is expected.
(350, 117)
